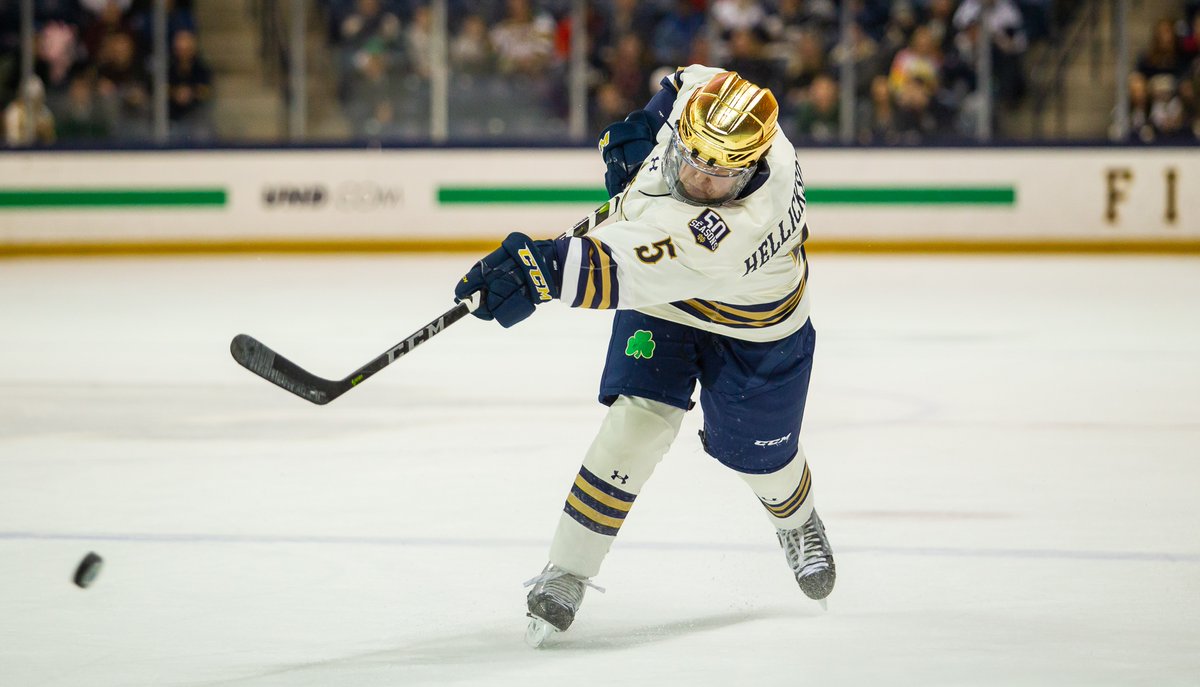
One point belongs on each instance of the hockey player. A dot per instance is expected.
(706, 268)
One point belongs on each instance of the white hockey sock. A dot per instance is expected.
(633, 438)
(786, 493)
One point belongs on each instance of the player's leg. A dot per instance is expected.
(648, 381)
(786, 494)
(753, 400)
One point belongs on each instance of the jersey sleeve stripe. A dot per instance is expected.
(674, 81)
(597, 288)
(571, 272)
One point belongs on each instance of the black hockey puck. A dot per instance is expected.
(88, 569)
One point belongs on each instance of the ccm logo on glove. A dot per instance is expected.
(535, 274)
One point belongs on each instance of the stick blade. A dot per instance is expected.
(257, 357)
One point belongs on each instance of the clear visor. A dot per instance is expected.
(697, 182)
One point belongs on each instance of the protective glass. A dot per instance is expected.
(696, 182)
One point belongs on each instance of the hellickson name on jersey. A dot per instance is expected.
(770, 246)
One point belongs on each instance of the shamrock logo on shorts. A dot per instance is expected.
(640, 345)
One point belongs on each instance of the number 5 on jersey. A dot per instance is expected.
(648, 256)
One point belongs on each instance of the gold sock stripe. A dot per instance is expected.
(592, 514)
(606, 499)
(793, 502)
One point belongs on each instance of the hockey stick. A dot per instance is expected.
(257, 357)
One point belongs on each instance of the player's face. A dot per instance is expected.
(695, 181)
(706, 187)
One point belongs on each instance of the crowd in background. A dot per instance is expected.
(913, 62)
(1164, 88)
(92, 73)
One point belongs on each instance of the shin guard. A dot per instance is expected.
(633, 438)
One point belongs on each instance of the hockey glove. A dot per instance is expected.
(624, 145)
(515, 278)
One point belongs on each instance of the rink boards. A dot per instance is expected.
(1118, 199)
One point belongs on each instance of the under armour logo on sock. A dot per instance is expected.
(618, 476)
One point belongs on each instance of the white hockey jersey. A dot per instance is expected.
(737, 269)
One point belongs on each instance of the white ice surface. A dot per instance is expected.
(1006, 452)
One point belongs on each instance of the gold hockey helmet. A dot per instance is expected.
(726, 127)
(729, 122)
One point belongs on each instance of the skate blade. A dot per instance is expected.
(537, 632)
(824, 604)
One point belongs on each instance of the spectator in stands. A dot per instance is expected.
(179, 18)
(900, 27)
(791, 17)
(818, 116)
(1163, 56)
(1140, 128)
(619, 18)
(100, 6)
(124, 85)
(628, 68)
(420, 41)
(877, 116)
(27, 120)
(806, 62)
(611, 104)
(917, 66)
(471, 50)
(957, 106)
(867, 57)
(371, 27)
(190, 87)
(524, 41)
(700, 52)
(914, 120)
(56, 52)
(738, 15)
(1009, 43)
(1189, 45)
(108, 18)
(676, 31)
(747, 58)
(370, 47)
(1189, 89)
(1166, 108)
(940, 21)
(81, 118)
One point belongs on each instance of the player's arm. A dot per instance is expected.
(630, 265)
(625, 144)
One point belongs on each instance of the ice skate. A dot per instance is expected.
(553, 602)
(810, 557)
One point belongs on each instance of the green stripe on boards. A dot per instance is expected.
(113, 198)
(882, 195)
